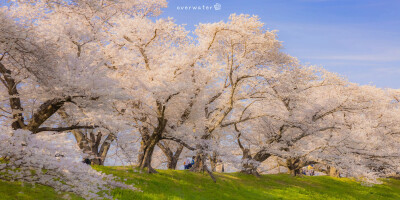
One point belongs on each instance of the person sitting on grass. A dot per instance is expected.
(188, 163)
(192, 163)
(184, 165)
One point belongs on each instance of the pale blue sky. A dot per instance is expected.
(356, 38)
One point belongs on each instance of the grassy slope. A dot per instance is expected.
(170, 184)
(15, 190)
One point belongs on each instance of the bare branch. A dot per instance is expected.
(61, 129)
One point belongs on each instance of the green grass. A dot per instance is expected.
(25, 191)
(176, 185)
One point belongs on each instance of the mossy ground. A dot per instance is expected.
(177, 184)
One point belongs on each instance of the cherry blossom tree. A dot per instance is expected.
(51, 56)
(155, 53)
(118, 78)
(307, 122)
(49, 159)
(240, 52)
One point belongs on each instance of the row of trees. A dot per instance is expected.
(124, 83)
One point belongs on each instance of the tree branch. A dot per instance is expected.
(61, 129)
(45, 111)
(15, 102)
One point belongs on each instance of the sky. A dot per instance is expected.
(359, 39)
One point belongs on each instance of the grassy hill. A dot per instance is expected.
(175, 184)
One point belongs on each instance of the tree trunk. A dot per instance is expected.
(147, 154)
(89, 143)
(97, 161)
(172, 157)
(199, 162)
(146, 151)
(145, 137)
(294, 172)
(101, 154)
(172, 163)
(15, 102)
(214, 161)
(200, 165)
(149, 142)
(200, 159)
(294, 165)
(250, 163)
(333, 172)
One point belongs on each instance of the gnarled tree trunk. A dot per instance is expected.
(172, 157)
(294, 166)
(97, 153)
(250, 163)
(213, 161)
(15, 102)
(333, 172)
(200, 164)
(248, 166)
(145, 137)
(149, 142)
(146, 152)
(89, 143)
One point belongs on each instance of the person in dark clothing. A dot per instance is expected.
(192, 163)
